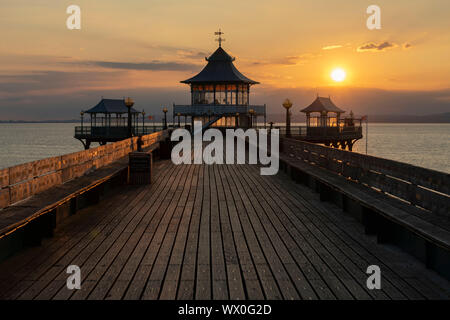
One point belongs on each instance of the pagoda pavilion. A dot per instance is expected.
(110, 120)
(220, 95)
(324, 124)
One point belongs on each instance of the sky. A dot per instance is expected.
(144, 48)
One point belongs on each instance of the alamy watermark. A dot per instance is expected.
(73, 22)
(74, 280)
(374, 280)
(235, 153)
(374, 20)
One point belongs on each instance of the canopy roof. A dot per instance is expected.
(111, 106)
(322, 104)
(220, 69)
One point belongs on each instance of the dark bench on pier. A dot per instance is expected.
(44, 193)
(401, 204)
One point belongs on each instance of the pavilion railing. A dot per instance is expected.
(205, 110)
(114, 132)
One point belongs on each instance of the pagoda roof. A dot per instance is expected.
(220, 69)
(111, 106)
(322, 104)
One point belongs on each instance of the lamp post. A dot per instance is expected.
(143, 121)
(129, 103)
(179, 116)
(251, 112)
(287, 104)
(82, 118)
(165, 117)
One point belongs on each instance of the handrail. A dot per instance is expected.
(418, 186)
(22, 181)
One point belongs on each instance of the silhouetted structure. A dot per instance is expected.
(327, 127)
(109, 123)
(220, 94)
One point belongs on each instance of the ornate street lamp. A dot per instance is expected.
(165, 117)
(179, 116)
(251, 112)
(82, 118)
(129, 103)
(287, 104)
(143, 121)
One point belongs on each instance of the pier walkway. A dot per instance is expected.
(215, 232)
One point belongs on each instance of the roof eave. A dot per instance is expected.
(189, 81)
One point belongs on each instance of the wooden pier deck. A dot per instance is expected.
(215, 232)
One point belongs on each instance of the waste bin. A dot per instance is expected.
(140, 168)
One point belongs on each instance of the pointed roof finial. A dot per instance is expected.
(220, 39)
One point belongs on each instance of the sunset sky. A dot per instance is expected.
(143, 48)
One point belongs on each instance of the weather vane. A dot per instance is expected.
(220, 39)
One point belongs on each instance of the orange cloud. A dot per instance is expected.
(373, 47)
(332, 47)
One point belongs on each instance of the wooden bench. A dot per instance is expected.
(35, 197)
(422, 234)
(26, 223)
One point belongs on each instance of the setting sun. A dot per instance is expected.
(338, 75)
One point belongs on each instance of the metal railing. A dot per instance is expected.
(206, 110)
(419, 186)
(114, 132)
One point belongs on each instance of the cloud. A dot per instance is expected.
(31, 101)
(373, 47)
(332, 47)
(361, 100)
(189, 54)
(153, 65)
(42, 82)
(407, 45)
(288, 60)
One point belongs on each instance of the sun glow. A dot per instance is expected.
(338, 75)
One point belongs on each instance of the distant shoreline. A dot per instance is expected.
(278, 117)
(412, 121)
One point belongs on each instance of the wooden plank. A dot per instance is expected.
(4, 178)
(233, 270)
(5, 199)
(203, 261)
(101, 268)
(188, 271)
(169, 230)
(218, 270)
(325, 249)
(155, 232)
(37, 267)
(42, 183)
(329, 262)
(221, 232)
(264, 272)
(428, 178)
(21, 191)
(391, 291)
(21, 173)
(173, 275)
(45, 166)
(89, 251)
(74, 256)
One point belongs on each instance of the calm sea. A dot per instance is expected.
(425, 145)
